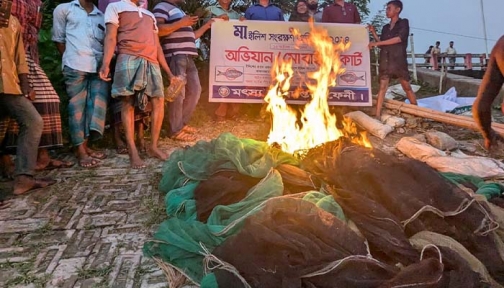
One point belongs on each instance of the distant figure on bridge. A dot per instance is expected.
(428, 55)
(490, 87)
(451, 51)
(393, 42)
(436, 54)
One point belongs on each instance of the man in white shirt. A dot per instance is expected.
(451, 51)
(78, 31)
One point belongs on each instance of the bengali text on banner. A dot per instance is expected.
(243, 53)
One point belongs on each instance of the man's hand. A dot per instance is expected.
(104, 73)
(4, 22)
(208, 24)
(25, 87)
(188, 20)
(169, 73)
(371, 28)
(492, 140)
(224, 17)
(372, 44)
(242, 18)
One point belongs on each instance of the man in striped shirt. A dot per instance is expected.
(179, 47)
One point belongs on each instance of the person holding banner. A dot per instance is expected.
(341, 12)
(264, 10)
(224, 11)
(301, 14)
(313, 10)
(393, 42)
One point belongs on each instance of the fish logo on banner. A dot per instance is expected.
(353, 78)
(229, 74)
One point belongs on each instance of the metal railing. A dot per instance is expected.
(438, 62)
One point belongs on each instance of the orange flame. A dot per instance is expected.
(317, 124)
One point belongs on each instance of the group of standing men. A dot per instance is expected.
(118, 49)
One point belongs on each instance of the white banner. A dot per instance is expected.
(242, 53)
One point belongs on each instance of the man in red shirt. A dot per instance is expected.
(341, 12)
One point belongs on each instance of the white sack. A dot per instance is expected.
(371, 125)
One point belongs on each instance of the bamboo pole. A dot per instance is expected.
(452, 119)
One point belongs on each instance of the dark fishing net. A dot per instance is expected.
(290, 238)
(413, 192)
(223, 188)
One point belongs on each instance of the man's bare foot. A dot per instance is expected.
(88, 162)
(156, 153)
(25, 183)
(137, 162)
(42, 162)
(141, 146)
(96, 154)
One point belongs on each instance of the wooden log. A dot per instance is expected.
(452, 119)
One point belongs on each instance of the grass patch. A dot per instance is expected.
(154, 203)
(94, 272)
(25, 277)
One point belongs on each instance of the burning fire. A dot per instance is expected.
(317, 124)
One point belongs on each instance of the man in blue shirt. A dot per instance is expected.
(264, 10)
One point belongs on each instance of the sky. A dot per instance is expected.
(440, 15)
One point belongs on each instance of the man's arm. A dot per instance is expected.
(372, 29)
(247, 14)
(390, 41)
(20, 56)
(325, 15)
(59, 28)
(357, 16)
(402, 38)
(108, 50)
(161, 59)
(198, 33)
(166, 29)
(489, 89)
(280, 15)
(22, 67)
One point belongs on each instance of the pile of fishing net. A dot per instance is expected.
(244, 214)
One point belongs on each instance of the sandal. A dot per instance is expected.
(88, 162)
(122, 150)
(183, 136)
(189, 129)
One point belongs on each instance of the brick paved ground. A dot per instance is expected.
(88, 229)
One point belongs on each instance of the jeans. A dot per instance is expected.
(30, 124)
(88, 97)
(181, 110)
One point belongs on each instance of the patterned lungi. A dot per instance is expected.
(47, 103)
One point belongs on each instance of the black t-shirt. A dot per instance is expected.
(393, 58)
